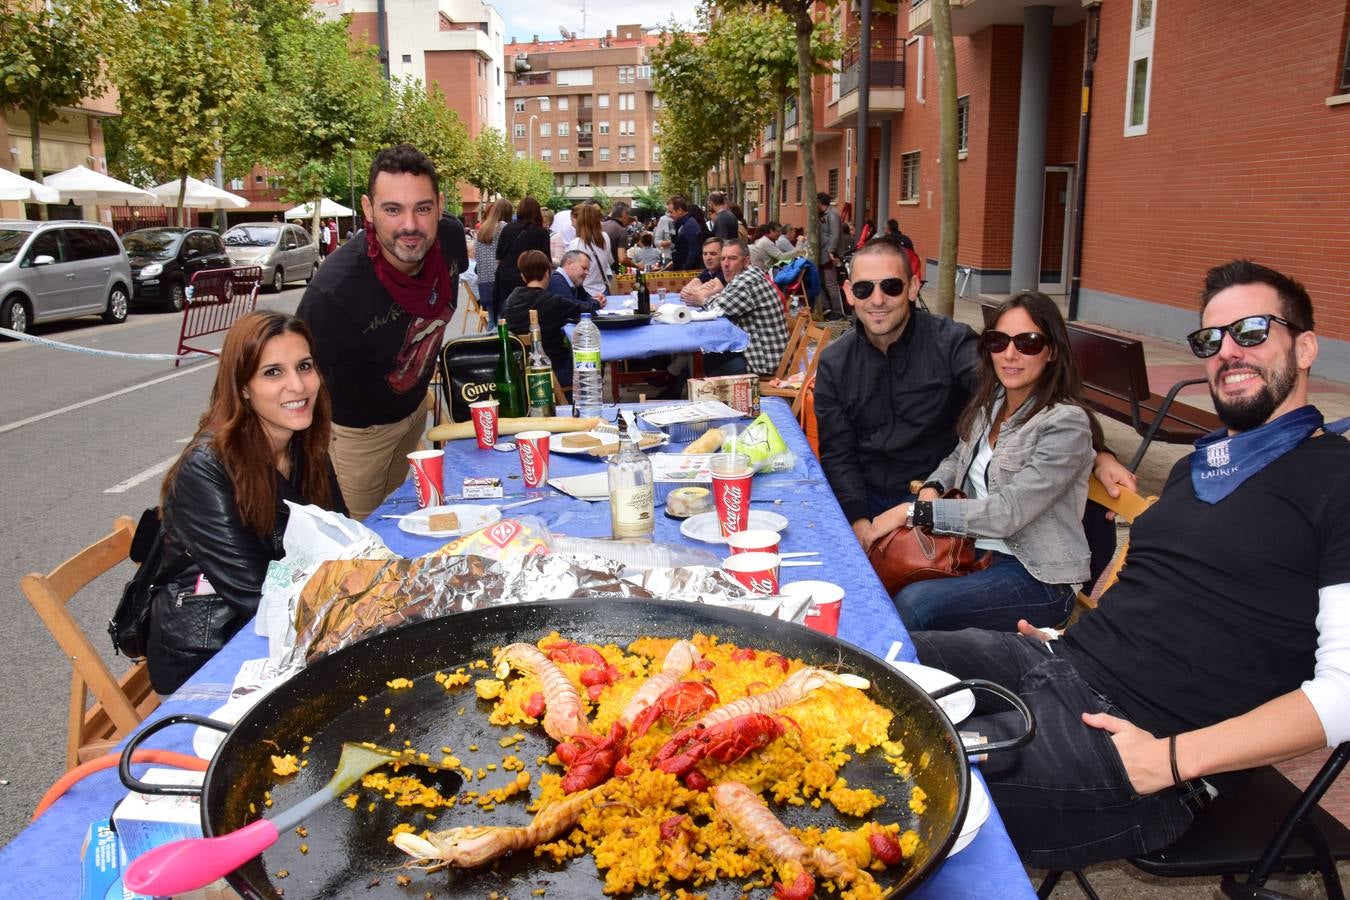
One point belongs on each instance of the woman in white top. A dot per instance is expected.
(592, 240)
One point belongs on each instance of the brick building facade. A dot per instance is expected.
(1217, 130)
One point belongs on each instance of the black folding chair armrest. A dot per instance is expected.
(1158, 419)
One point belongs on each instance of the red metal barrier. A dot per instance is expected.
(216, 300)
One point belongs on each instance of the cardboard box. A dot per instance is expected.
(738, 391)
(100, 864)
(145, 821)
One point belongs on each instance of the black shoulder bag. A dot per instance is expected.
(129, 626)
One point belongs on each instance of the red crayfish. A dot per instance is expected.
(725, 742)
(590, 759)
(600, 673)
(678, 703)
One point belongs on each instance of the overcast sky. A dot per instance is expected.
(526, 18)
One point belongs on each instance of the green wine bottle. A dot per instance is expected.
(509, 388)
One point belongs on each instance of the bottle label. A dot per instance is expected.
(586, 359)
(632, 511)
(540, 386)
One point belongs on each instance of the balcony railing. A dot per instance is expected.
(585, 114)
(585, 140)
(887, 67)
(790, 118)
(533, 78)
(585, 160)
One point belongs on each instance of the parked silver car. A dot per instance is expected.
(60, 270)
(285, 252)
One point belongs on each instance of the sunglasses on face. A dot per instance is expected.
(892, 287)
(1028, 343)
(1249, 331)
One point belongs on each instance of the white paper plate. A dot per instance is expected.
(957, 706)
(205, 741)
(703, 527)
(471, 518)
(555, 443)
(977, 810)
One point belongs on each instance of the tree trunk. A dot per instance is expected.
(37, 158)
(806, 126)
(776, 204)
(945, 50)
(182, 192)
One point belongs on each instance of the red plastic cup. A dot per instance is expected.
(827, 599)
(758, 572)
(756, 540)
(731, 474)
(533, 449)
(428, 473)
(485, 419)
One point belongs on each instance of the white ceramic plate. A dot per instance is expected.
(471, 518)
(205, 741)
(555, 443)
(703, 527)
(977, 810)
(957, 706)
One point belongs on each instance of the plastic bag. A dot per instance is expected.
(761, 443)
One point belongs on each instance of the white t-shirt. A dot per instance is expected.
(602, 263)
(977, 476)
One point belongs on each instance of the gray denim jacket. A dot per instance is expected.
(1037, 482)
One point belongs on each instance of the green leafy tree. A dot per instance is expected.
(49, 58)
(493, 169)
(649, 201)
(422, 118)
(533, 179)
(182, 69)
(694, 112)
(557, 200)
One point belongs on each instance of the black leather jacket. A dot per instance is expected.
(202, 531)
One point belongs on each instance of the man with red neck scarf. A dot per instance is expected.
(378, 309)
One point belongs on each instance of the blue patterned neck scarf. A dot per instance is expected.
(1220, 464)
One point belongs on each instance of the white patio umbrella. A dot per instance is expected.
(199, 195)
(326, 208)
(83, 185)
(14, 186)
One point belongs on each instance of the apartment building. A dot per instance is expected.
(586, 108)
(1217, 130)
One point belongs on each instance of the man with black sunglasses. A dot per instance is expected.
(1225, 644)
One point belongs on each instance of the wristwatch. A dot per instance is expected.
(909, 516)
(935, 485)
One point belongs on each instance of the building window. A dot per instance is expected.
(604, 127)
(656, 100)
(656, 128)
(562, 104)
(520, 106)
(520, 154)
(782, 193)
(545, 104)
(602, 101)
(625, 74)
(564, 154)
(569, 180)
(832, 182)
(625, 178)
(236, 184)
(799, 189)
(407, 59)
(963, 123)
(656, 153)
(909, 176)
(627, 101)
(1140, 74)
(519, 131)
(576, 76)
(604, 154)
(644, 72)
(546, 155)
(546, 129)
(1345, 70)
(564, 129)
(628, 153)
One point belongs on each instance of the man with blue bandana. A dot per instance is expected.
(1225, 644)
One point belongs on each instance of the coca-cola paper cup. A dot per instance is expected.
(759, 540)
(484, 415)
(757, 571)
(826, 601)
(731, 474)
(428, 473)
(533, 449)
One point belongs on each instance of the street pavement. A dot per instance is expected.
(85, 439)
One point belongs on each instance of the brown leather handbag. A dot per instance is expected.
(907, 555)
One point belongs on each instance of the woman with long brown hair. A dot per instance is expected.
(485, 252)
(263, 440)
(592, 240)
(1023, 457)
(527, 232)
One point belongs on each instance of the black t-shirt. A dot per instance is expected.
(725, 226)
(375, 358)
(708, 275)
(554, 312)
(1215, 611)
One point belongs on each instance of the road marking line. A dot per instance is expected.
(158, 468)
(90, 402)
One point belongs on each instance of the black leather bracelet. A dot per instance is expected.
(923, 514)
(935, 485)
(1172, 756)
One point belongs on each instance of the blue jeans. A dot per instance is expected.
(994, 598)
(1065, 797)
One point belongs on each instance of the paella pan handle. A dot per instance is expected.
(174, 790)
(979, 684)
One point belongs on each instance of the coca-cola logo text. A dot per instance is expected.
(762, 585)
(733, 501)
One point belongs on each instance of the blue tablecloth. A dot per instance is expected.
(659, 339)
(43, 860)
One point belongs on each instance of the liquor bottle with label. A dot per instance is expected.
(644, 296)
(509, 379)
(539, 373)
(632, 493)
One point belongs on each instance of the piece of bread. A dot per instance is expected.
(708, 442)
(580, 441)
(447, 521)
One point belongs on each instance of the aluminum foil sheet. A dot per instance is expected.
(704, 584)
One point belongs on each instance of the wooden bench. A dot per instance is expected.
(1115, 384)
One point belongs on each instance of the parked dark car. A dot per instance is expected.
(163, 260)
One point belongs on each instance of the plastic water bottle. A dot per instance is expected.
(587, 376)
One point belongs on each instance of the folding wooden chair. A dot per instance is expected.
(1127, 506)
(473, 305)
(121, 704)
(806, 359)
(796, 334)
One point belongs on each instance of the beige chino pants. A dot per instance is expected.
(371, 462)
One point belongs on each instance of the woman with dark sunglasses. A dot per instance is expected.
(1023, 460)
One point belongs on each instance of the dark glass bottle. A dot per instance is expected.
(509, 379)
(644, 296)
